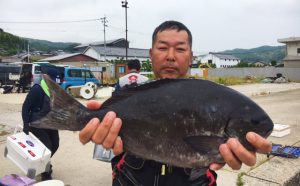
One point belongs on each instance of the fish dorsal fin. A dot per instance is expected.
(205, 144)
(129, 90)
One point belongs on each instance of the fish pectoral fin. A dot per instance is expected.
(205, 144)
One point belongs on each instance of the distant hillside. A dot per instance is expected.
(263, 53)
(48, 46)
(11, 44)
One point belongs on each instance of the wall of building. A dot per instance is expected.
(220, 63)
(77, 63)
(292, 48)
(79, 58)
(292, 64)
(293, 74)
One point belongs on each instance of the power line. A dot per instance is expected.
(48, 22)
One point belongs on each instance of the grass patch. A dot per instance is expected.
(239, 181)
(234, 80)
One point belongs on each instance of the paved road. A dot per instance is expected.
(74, 165)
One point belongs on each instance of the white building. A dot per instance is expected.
(221, 60)
(292, 58)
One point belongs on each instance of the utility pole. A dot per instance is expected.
(124, 5)
(104, 21)
(28, 51)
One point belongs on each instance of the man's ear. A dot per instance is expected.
(191, 60)
(150, 54)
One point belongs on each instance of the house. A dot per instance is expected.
(74, 59)
(220, 60)
(110, 43)
(101, 70)
(102, 53)
(261, 64)
(9, 59)
(292, 58)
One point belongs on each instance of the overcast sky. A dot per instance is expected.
(216, 25)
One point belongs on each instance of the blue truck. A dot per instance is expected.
(77, 76)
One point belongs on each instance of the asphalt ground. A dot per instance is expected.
(73, 163)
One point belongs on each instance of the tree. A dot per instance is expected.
(242, 64)
(273, 63)
(146, 66)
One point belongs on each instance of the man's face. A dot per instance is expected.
(171, 54)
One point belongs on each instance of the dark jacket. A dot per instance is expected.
(131, 170)
(35, 105)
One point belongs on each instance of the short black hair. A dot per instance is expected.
(172, 25)
(134, 64)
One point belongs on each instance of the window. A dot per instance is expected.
(122, 70)
(37, 70)
(298, 50)
(75, 73)
(90, 74)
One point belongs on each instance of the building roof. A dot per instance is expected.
(225, 56)
(100, 43)
(63, 56)
(120, 52)
(289, 40)
(261, 62)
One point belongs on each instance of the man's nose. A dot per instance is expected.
(171, 56)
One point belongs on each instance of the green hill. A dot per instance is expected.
(263, 53)
(11, 44)
(48, 46)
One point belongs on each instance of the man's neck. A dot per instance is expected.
(133, 70)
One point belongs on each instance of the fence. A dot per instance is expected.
(293, 74)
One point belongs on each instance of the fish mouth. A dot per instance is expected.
(263, 127)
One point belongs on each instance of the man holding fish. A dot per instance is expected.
(171, 55)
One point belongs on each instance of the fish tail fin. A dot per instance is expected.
(65, 113)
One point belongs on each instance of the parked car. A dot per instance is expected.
(77, 76)
(9, 74)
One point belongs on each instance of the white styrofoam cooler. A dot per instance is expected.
(280, 130)
(28, 153)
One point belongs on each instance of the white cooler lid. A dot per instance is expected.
(50, 183)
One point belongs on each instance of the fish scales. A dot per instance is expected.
(180, 122)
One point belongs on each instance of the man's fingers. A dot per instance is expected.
(93, 105)
(87, 132)
(241, 153)
(103, 129)
(261, 144)
(216, 166)
(229, 158)
(118, 146)
(113, 133)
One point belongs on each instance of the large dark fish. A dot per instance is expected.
(180, 122)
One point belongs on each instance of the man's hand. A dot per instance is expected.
(235, 154)
(105, 132)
